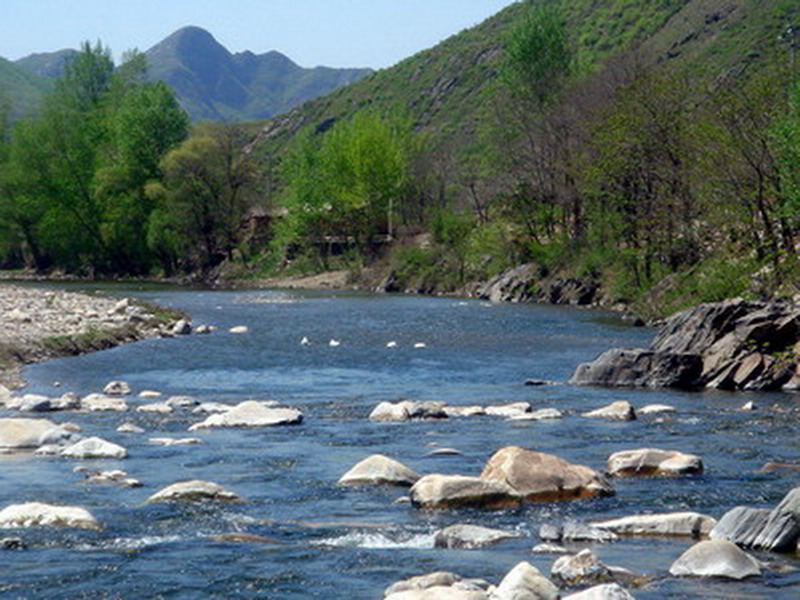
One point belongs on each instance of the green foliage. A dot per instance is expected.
(786, 136)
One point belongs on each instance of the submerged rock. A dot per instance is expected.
(469, 536)
(194, 491)
(38, 514)
(653, 462)
(540, 477)
(23, 434)
(715, 558)
(456, 491)
(129, 428)
(251, 414)
(156, 407)
(669, 524)
(379, 469)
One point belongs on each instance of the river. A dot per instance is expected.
(333, 542)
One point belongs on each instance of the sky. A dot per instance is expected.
(336, 33)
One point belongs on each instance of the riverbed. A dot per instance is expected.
(326, 541)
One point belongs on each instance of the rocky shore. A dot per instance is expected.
(731, 345)
(36, 324)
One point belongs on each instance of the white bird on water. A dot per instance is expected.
(305, 341)
(420, 345)
(334, 343)
(391, 344)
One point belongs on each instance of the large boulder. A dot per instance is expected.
(580, 568)
(379, 469)
(777, 530)
(637, 367)
(715, 558)
(670, 524)
(251, 414)
(94, 447)
(21, 434)
(464, 535)
(653, 462)
(440, 585)
(540, 477)
(37, 514)
(456, 491)
(525, 582)
(194, 491)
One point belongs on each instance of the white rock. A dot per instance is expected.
(389, 411)
(251, 414)
(181, 327)
(129, 428)
(464, 411)
(465, 535)
(17, 434)
(377, 470)
(239, 329)
(94, 447)
(37, 514)
(653, 461)
(655, 409)
(212, 408)
(149, 394)
(542, 414)
(525, 582)
(194, 491)
(715, 558)
(166, 441)
(508, 410)
(156, 407)
(117, 388)
(668, 524)
(99, 402)
(181, 401)
(620, 411)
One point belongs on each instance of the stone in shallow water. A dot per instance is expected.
(469, 536)
(508, 410)
(777, 530)
(668, 524)
(38, 514)
(129, 428)
(653, 462)
(525, 581)
(580, 568)
(456, 491)
(379, 469)
(656, 409)
(195, 491)
(94, 447)
(715, 558)
(251, 414)
(156, 407)
(606, 591)
(620, 411)
(99, 402)
(117, 388)
(540, 477)
(20, 434)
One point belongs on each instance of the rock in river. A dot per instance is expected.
(540, 477)
(715, 558)
(37, 514)
(620, 411)
(670, 524)
(456, 491)
(20, 434)
(606, 591)
(469, 536)
(379, 469)
(251, 414)
(94, 447)
(653, 462)
(99, 402)
(525, 582)
(117, 388)
(440, 585)
(194, 491)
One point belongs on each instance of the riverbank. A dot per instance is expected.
(37, 324)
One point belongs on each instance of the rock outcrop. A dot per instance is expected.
(670, 524)
(731, 345)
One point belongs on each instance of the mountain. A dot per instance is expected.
(213, 84)
(210, 82)
(22, 89)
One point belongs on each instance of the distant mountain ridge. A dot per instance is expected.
(210, 82)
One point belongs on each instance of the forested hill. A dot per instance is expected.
(211, 83)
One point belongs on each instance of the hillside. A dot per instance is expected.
(213, 84)
(23, 90)
(47, 64)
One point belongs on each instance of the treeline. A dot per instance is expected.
(106, 179)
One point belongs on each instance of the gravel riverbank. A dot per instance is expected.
(37, 323)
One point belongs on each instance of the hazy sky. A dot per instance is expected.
(338, 33)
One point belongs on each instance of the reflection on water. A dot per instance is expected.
(351, 543)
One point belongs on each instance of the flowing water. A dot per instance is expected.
(325, 541)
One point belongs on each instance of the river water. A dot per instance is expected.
(330, 542)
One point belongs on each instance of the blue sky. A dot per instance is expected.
(338, 33)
